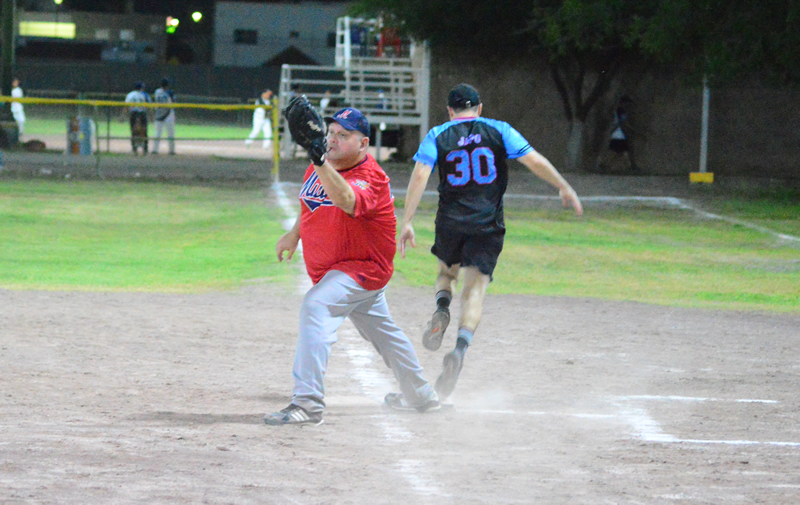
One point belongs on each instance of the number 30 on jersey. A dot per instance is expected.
(477, 165)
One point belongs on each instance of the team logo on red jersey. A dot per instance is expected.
(312, 194)
(360, 184)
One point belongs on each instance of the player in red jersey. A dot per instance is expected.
(347, 225)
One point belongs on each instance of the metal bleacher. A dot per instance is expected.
(385, 76)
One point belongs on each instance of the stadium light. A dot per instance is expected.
(58, 2)
(172, 24)
(197, 16)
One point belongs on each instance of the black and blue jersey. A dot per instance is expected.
(471, 154)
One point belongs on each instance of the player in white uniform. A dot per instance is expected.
(261, 121)
(165, 117)
(16, 108)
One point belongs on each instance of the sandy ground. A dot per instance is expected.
(155, 398)
(158, 399)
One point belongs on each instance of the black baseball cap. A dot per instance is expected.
(351, 119)
(463, 96)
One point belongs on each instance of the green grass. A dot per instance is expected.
(667, 257)
(49, 126)
(171, 238)
(135, 237)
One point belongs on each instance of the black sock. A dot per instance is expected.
(443, 299)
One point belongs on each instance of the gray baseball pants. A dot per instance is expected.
(325, 306)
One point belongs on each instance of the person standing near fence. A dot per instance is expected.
(16, 108)
(261, 121)
(165, 116)
(138, 117)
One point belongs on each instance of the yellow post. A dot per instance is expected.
(276, 150)
(705, 177)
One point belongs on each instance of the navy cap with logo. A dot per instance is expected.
(463, 96)
(351, 119)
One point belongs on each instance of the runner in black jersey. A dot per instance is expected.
(471, 154)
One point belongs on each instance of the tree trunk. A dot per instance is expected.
(575, 147)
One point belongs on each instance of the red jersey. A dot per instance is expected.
(362, 245)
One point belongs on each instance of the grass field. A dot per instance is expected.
(184, 129)
(139, 237)
(170, 238)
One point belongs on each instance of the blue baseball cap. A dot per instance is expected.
(351, 119)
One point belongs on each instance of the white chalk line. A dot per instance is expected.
(648, 429)
(373, 382)
(644, 426)
(692, 399)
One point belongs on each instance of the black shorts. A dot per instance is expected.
(480, 251)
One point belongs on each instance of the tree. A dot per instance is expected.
(591, 43)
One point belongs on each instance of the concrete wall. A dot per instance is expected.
(754, 129)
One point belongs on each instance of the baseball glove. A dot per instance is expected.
(307, 128)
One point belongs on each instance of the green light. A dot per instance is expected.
(197, 16)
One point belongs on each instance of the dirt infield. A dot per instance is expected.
(154, 398)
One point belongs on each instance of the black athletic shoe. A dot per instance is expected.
(446, 383)
(396, 401)
(293, 415)
(434, 333)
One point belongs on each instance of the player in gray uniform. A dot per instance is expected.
(165, 117)
(348, 226)
(471, 154)
(138, 117)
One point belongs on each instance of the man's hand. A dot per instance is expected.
(570, 198)
(406, 234)
(287, 244)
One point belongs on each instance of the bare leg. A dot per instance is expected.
(472, 296)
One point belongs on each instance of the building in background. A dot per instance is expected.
(90, 36)
(254, 34)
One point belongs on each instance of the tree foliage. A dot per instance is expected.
(589, 43)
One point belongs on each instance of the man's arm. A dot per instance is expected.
(543, 169)
(336, 187)
(288, 242)
(416, 187)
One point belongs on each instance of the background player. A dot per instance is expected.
(348, 225)
(165, 116)
(471, 154)
(17, 110)
(138, 117)
(261, 121)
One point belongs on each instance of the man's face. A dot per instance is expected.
(15, 83)
(345, 146)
